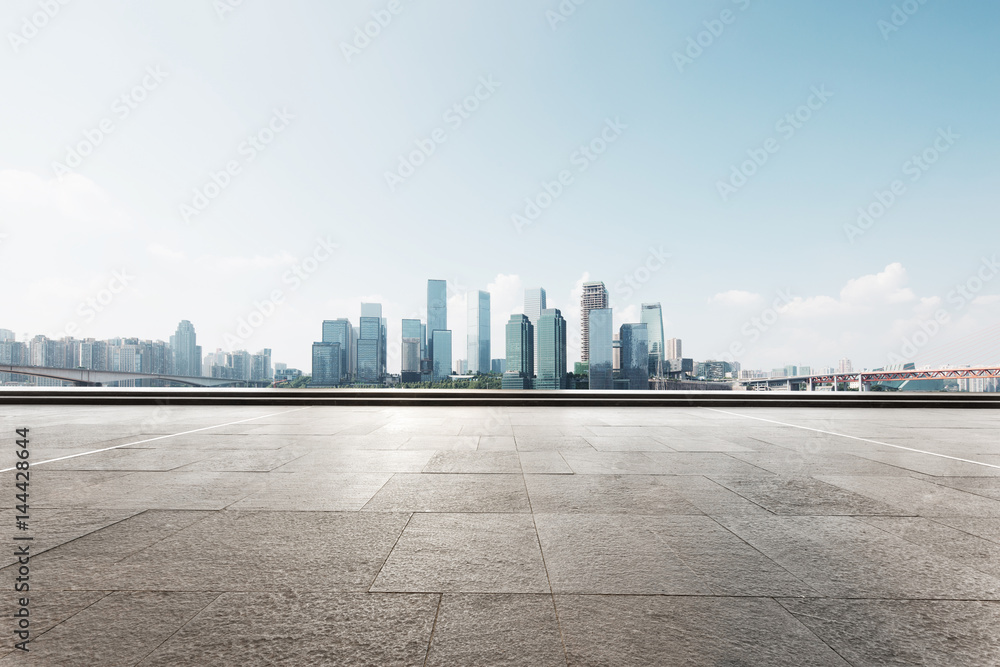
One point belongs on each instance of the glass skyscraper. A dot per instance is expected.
(437, 312)
(442, 354)
(326, 370)
(635, 355)
(652, 317)
(479, 332)
(371, 344)
(534, 304)
(601, 328)
(551, 334)
(340, 331)
(520, 353)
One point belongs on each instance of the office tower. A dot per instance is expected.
(652, 317)
(462, 366)
(437, 312)
(479, 332)
(595, 296)
(441, 344)
(260, 369)
(413, 331)
(551, 337)
(845, 366)
(326, 359)
(600, 326)
(520, 339)
(186, 351)
(341, 331)
(6, 335)
(674, 349)
(534, 304)
(371, 343)
(423, 341)
(410, 369)
(498, 366)
(635, 355)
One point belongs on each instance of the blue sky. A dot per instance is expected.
(554, 86)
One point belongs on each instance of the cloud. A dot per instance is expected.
(163, 252)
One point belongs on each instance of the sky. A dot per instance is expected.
(795, 182)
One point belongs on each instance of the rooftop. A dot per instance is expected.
(506, 535)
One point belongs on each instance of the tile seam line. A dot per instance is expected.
(852, 437)
(161, 437)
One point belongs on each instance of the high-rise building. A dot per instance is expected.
(845, 366)
(260, 366)
(635, 355)
(498, 366)
(534, 304)
(186, 351)
(437, 312)
(600, 327)
(412, 349)
(326, 358)
(674, 349)
(551, 335)
(479, 332)
(441, 344)
(371, 345)
(652, 317)
(520, 339)
(595, 297)
(341, 331)
(6, 335)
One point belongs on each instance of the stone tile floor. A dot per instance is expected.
(506, 536)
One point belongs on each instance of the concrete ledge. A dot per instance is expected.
(437, 397)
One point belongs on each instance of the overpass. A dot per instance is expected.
(86, 377)
(866, 378)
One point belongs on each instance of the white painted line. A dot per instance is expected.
(160, 437)
(854, 437)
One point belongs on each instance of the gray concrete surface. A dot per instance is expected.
(506, 536)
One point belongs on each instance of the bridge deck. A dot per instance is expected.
(506, 535)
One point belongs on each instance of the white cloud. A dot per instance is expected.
(163, 252)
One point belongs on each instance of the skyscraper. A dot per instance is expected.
(652, 317)
(186, 351)
(600, 326)
(595, 296)
(635, 355)
(340, 331)
(437, 312)
(479, 332)
(534, 304)
(326, 360)
(520, 335)
(551, 335)
(371, 344)
(442, 354)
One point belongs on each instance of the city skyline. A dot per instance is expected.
(782, 205)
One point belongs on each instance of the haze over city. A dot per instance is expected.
(201, 158)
